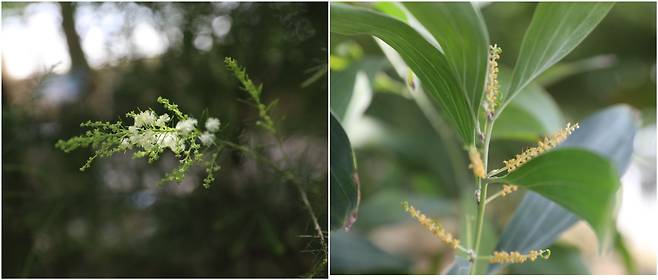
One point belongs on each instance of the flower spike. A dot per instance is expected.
(507, 189)
(492, 87)
(476, 162)
(516, 257)
(432, 226)
(542, 146)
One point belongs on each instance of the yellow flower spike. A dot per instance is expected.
(492, 87)
(544, 145)
(476, 162)
(516, 257)
(507, 189)
(434, 227)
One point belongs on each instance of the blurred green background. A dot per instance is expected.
(67, 63)
(400, 156)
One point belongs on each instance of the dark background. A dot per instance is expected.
(113, 220)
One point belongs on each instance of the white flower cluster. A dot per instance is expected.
(212, 125)
(186, 126)
(150, 130)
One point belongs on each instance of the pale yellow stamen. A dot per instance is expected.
(476, 162)
(542, 146)
(492, 87)
(433, 226)
(516, 257)
(507, 189)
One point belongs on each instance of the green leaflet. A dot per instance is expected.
(426, 62)
(555, 30)
(460, 30)
(581, 181)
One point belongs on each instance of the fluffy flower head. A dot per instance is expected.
(212, 124)
(162, 120)
(145, 118)
(207, 138)
(186, 126)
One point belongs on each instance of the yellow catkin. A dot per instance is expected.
(492, 86)
(433, 226)
(516, 257)
(544, 145)
(507, 189)
(476, 162)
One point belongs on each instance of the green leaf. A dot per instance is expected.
(532, 114)
(354, 254)
(460, 30)
(579, 180)
(392, 9)
(426, 62)
(624, 253)
(610, 133)
(344, 180)
(555, 30)
(538, 221)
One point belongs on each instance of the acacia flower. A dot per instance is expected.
(492, 87)
(212, 124)
(476, 162)
(162, 120)
(169, 140)
(186, 126)
(433, 226)
(516, 257)
(144, 118)
(207, 138)
(507, 189)
(544, 145)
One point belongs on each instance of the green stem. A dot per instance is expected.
(494, 196)
(483, 194)
(288, 177)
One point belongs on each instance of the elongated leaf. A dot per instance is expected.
(344, 180)
(392, 9)
(532, 114)
(354, 254)
(428, 63)
(460, 30)
(579, 180)
(555, 30)
(610, 133)
(538, 221)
